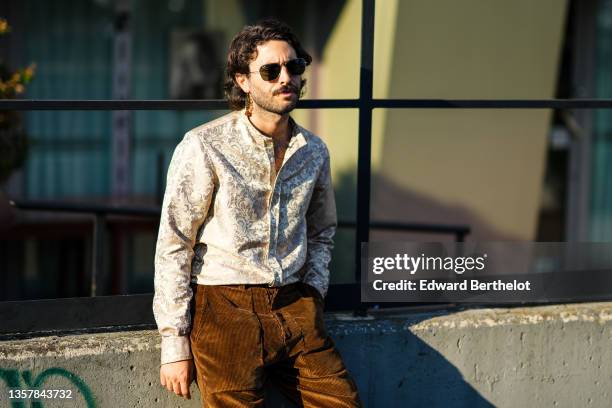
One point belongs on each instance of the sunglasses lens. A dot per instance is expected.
(296, 66)
(269, 72)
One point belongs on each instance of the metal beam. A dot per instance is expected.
(220, 104)
(364, 165)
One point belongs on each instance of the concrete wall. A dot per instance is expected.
(553, 356)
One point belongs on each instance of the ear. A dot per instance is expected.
(243, 82)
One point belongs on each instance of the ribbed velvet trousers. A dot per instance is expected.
(246, 335)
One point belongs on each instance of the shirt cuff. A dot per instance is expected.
(175, 348)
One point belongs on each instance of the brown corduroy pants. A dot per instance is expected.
(245, 335)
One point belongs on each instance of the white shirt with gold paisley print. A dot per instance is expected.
(227, 219)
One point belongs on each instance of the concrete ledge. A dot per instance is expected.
(533, 356)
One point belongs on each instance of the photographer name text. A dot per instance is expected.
(426, 285)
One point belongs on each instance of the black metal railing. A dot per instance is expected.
(100, 213)
(349, 294)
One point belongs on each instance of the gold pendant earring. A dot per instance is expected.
(249, 106)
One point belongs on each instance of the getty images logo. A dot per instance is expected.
(412, 264)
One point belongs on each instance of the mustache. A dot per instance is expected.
(287, 88)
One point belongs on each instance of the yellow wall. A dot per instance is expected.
(487, 163)
(339, 78)
(224, 15)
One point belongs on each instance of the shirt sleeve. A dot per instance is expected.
(321, 223)
(189, 188)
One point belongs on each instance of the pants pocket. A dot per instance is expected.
(312, 292)
(227, 350)
(199, 309)
(312, 318)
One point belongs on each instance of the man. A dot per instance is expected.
(245, 241)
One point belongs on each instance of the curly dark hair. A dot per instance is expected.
(243, 50)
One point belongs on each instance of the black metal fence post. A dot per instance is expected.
(97, 255)
(364, 170)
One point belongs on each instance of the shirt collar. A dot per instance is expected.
(297, 132)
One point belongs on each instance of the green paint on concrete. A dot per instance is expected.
(14, 381)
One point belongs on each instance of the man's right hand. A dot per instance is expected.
(177, 377)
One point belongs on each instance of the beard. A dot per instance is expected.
(271, 103)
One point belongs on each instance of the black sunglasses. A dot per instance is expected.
(269, 72)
